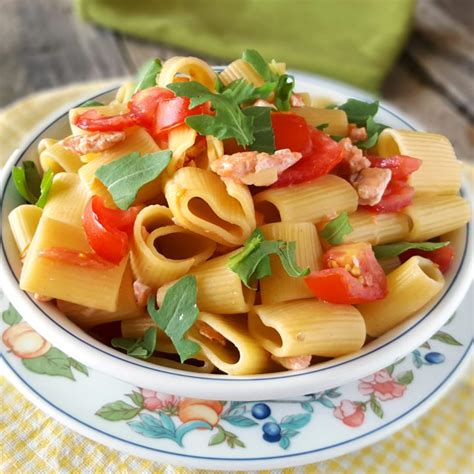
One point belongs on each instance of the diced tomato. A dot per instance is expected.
(352, 276)
(93, 121)
(396, 197)
(320, 154)
(144, 103)
(443, 257)
(107, 230)
(75, 257)
(402, 166)
(173, 112)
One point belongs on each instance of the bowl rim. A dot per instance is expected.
(102, 357)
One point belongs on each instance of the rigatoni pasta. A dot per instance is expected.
(232, 225)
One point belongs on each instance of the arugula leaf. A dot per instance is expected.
(91, 103)
(322, 126)
(392, 250)
(177, 314)
(45, 187)
(253, 261)
(229, 120)
(283, 92)
(263, 130)
(147, 74)
(335, 230)
(373, 131)
(255, 59)
(30, 185)
(125, 176)
(358, 111)
(139, 348)
(242, 91)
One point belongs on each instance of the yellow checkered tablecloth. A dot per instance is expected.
(439, 442)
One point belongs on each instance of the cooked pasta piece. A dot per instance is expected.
(180, 139)
(280, 286)
(67, 199)
(277, 67)
(125, 92)
(107, 110)
(46, 143)
(202, 203)
(138, 140)
(307, 327)
(162, 251)
(235, 352)
(87, 318)
(56, 279)
(240, 69)
(23, 222)
(440, 172)
(58, 158)
(335, 119)
(410, 287)
(215, 149)
(307, 202)
(377, 228)
(194, 68)
(431, 216)
(219, 289)
(199, 363)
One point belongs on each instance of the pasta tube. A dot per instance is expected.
(58, 159)
(280, 286)
(162, 251)
(233, 350)
(307, 202)
(196, 69)
(23, 222)
(431, 216)
(410, 287)
(336, 120)
(202, 203)
(440, 172)
(240, 69)
(307, 327)
(219, 289)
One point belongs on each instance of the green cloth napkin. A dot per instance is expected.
(355, 41)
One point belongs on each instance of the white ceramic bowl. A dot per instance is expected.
(377, 354)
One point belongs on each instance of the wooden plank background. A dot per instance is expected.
(432, 81)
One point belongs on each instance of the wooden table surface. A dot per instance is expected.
(43, 45)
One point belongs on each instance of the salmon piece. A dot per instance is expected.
(93, 143)
(210, 333)
(357, 134)
(142, 292)
(293, 363)
(353, 156)
(296, 101)
(257, 168)
(370, 185)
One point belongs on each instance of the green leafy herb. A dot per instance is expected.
(243, 92)
(177, 314)
(255, 59)
(358, 111)
(45, 187)
(138, 348)
(92, 103)
(373, 131)
(263, 131)
(392, 250)
(124, 177)
(335, 230)
(283, 91)
(30, 185)
(147, 74)
(322, 126)
(253, 261)
(229, 120)
(337, 138)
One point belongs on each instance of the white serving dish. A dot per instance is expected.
(379, 353)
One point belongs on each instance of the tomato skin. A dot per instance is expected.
(402, 166)
(143, 104)
(338, 285)
(322, 155)
(107, 230)
(93, 121)
(442, 257)
(291, 131)
(74, 257)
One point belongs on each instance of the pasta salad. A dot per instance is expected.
(225, 223)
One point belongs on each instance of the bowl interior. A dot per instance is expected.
(57, 325)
